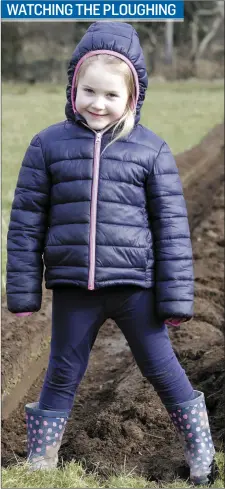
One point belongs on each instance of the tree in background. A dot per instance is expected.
(40, 51)
(12, 41)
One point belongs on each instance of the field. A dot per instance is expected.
(118, 427)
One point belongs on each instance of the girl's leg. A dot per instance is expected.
(149, 341)
(150, 344)
(77, 315)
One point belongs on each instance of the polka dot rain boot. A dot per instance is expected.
(191, 421)
(44, 435)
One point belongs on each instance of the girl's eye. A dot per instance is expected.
(112, 95)
(89, 90)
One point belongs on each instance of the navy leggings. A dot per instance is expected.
(77, 316)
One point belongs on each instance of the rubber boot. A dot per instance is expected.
(44, 434)
(191, 421)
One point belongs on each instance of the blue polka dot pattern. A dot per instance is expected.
(191, 422)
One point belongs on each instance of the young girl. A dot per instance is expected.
(99, 201)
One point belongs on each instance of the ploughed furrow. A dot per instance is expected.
(116, 413)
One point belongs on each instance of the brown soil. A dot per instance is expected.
(117, 417)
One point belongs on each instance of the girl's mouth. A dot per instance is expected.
(96, 115)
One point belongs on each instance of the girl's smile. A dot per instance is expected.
(96, 115)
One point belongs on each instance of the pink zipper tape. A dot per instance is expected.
(94, 197)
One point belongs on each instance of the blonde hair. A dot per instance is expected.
(126, 123)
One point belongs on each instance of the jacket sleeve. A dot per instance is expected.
(26, 233)
(174, 276)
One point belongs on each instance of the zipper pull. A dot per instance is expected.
(98, 137)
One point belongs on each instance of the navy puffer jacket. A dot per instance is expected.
(98, 221)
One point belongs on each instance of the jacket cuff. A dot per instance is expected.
(28, 302)
(173, 309)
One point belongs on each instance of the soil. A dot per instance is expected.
(118, 420)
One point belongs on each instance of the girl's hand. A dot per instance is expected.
(175, 321)
(23, 314)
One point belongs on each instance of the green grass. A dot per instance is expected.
(73, 475)
(183, 112)
(180, 112)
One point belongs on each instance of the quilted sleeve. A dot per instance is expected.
(26, 233)
(168, 218)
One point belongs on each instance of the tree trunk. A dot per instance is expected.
(169, 43)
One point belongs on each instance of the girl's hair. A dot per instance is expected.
(126, 123)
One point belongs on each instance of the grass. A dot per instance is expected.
(73, 475)
(182, 113)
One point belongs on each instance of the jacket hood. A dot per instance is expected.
(119, 39)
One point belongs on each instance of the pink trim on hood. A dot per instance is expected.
(113, 53)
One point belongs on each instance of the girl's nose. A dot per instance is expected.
(98, 103)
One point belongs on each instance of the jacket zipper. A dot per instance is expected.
(94, 199)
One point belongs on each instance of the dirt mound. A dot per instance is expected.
(130, 427)
(22, 339)
(209, 147)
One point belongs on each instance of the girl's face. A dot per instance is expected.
(102, 95)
